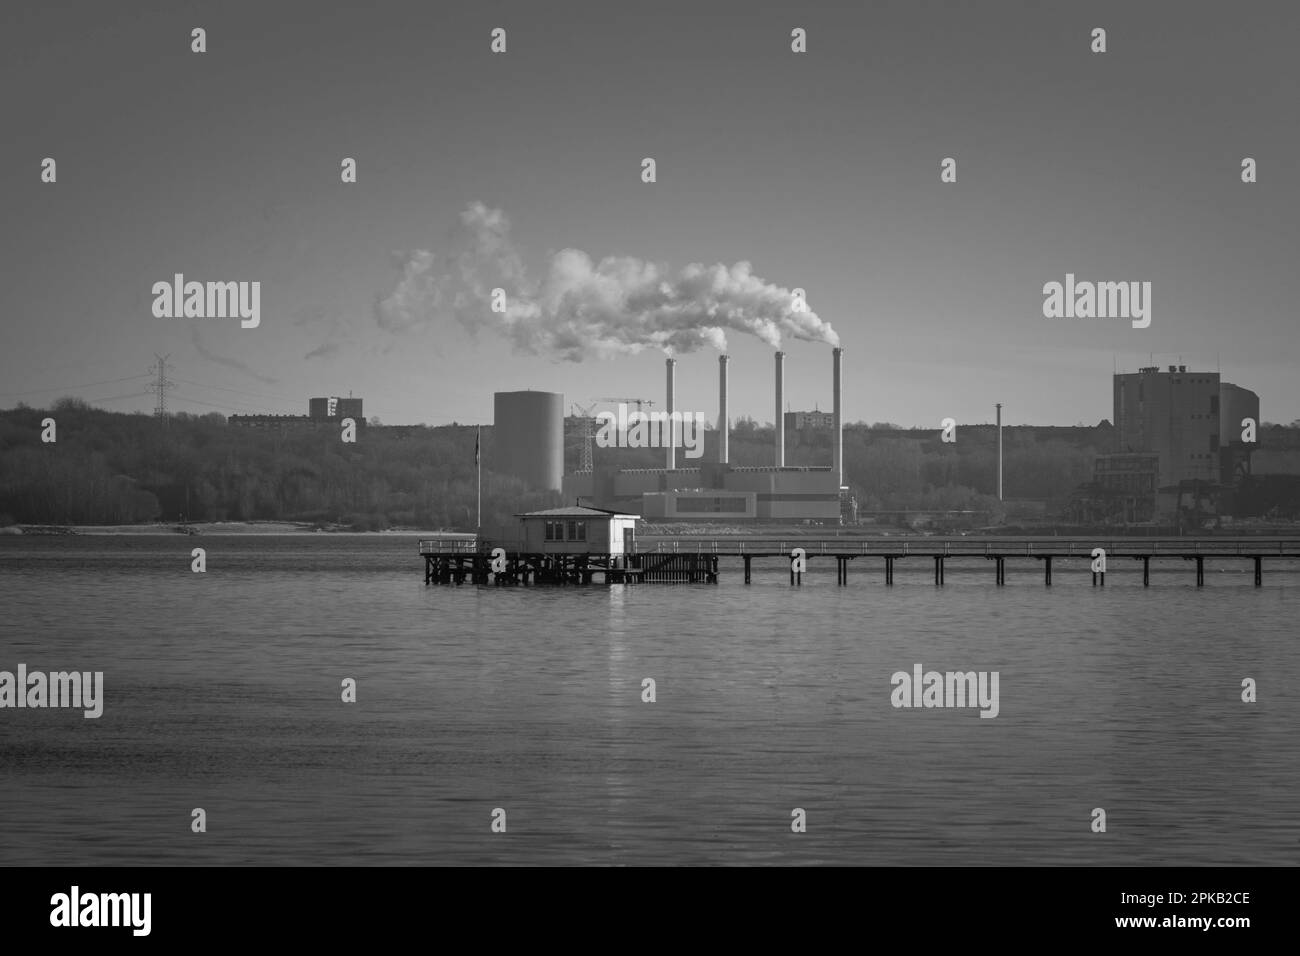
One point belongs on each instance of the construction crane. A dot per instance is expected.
(628, 401)
(585, 412)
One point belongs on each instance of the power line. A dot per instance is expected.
(228, 405)
(237, 391)
(68, 388)
(114, 398)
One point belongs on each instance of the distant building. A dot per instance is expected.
(350, 408)
(798, 421)
(320, 411)
(1235, 404)
(1178, 439)
(270, 421)
(1175, 414)
(335, 409)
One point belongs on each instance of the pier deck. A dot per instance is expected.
(696, 559)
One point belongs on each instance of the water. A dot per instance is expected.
(222, 691)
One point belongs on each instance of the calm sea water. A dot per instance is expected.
(222, 691)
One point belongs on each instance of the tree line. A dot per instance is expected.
(114, 468)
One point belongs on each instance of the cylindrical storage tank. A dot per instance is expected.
(528, 438)
(1235, 405)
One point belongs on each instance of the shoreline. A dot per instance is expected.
(652, 531)
(208, 528)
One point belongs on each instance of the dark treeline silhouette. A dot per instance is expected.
(113, 468)
(108, 467)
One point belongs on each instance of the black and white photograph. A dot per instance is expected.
(711, 435)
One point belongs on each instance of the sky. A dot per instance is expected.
(821, 170)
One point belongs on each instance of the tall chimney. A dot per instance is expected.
(999, 407)
(672, 398)
(837, 383)
(724, 423)
(780, 409)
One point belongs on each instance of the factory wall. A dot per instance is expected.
(700, 505)
(768, 493)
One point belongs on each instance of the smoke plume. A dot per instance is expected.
(583, 309)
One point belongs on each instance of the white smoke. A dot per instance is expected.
(581, 309)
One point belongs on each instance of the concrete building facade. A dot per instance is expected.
(1174, 414)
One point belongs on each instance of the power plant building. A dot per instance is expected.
(1174, 414)
(528, 438)
(1235, 405)
(1174, 429)
(720, 491)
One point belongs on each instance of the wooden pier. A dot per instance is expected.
(462, 562)
(697, 560)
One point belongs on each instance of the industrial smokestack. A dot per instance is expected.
(724, 423)
(837, 383)
(780, 409)
(672, 399)
(999, 407)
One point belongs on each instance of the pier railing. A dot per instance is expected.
(919, 547)
(449, 545)
(945, 547)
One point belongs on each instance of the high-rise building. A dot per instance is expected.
(335, 409)
(351, 408)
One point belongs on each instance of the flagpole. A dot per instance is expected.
(478, 465)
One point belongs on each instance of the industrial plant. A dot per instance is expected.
(1184, 444)
(529, 429)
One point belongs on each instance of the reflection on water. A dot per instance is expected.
(222, 691)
